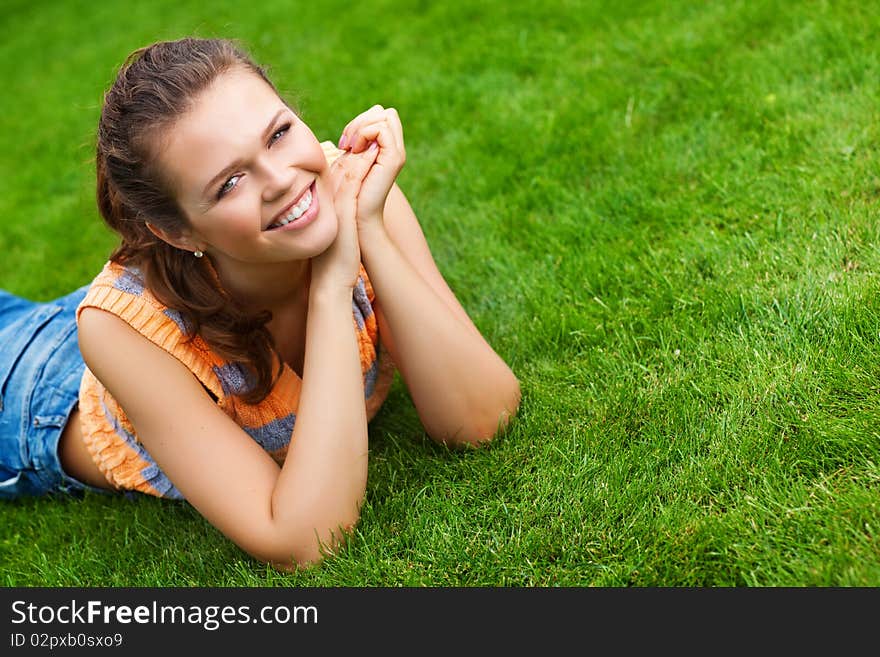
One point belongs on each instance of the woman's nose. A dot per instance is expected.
(278, 180)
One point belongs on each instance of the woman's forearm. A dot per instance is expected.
(463, 391)
(322, 483)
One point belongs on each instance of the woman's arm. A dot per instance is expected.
(285, 515)
(462, 390)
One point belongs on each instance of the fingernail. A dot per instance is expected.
(373, 146)
(343, 142)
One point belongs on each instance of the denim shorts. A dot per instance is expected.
(40, 371)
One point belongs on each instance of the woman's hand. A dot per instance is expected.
(339, 265)
(380, 126)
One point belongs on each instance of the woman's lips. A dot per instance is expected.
(307, 217)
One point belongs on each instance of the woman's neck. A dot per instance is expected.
(264, 286)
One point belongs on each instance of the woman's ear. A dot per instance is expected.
(182, 241)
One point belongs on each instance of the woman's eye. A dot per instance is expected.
(278, 134)
(228, 186)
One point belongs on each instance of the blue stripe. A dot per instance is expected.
(360, 304)
(274, 435)
(370, 378)
(175, 317)
(130, 281)
(234, 378)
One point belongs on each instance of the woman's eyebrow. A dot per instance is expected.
(237, 163)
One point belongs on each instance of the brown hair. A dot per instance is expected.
(156, 85)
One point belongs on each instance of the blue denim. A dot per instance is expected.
(40, 371)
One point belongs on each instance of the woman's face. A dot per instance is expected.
(241, 163)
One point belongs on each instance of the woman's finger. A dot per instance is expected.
(367, 132)
(337, 171)
(396, 126)
(349, 171)
(351, 127)
(391, 153)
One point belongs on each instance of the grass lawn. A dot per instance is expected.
(661, 214)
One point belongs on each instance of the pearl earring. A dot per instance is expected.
(198, 254)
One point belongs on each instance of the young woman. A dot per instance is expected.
(246, 329)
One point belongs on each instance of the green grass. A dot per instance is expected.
(662, 215)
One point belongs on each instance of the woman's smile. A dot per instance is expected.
(300, 213)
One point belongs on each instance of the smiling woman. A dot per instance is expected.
(238, 341)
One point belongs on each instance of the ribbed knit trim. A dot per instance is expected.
(119, 463)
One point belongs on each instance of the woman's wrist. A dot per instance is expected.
(328, 293)
(371, 233)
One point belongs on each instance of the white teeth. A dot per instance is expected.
(297, 211)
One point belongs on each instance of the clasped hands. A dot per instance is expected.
(360, 179)
(375, 136)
